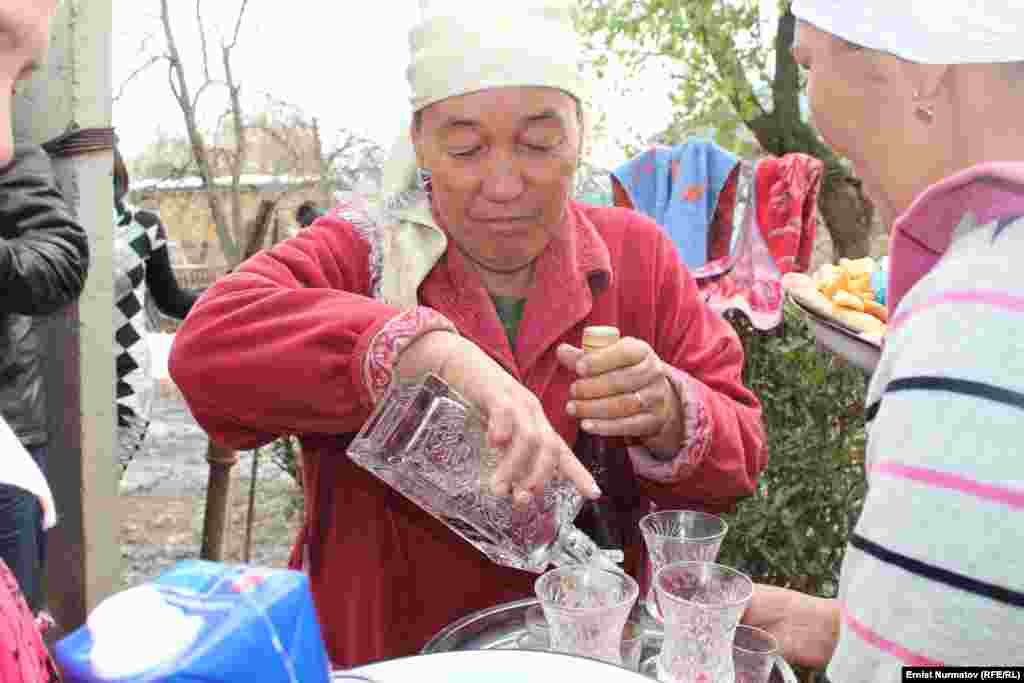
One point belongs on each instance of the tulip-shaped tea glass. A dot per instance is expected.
(753, 654)
(634, 636)
(702, 603)
(633, 639)
(537, 635)
(674, 536)
(586, 609)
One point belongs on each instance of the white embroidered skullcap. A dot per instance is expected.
(925, 31)
(462, 47)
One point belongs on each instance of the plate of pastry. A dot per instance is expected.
(844, 305)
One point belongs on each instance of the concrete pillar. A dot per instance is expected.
(84, 564)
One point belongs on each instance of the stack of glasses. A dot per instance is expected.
(589, 611)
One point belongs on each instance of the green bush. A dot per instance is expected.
(284, 452)
(793, 532)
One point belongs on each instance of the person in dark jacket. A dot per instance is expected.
(44, 257)
(307, 213)
(43, 263)
(142, 266)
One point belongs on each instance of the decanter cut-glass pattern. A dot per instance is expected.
(429, 444)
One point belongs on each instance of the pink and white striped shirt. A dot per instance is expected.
(934, 573)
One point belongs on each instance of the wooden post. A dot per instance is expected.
(218, 501)
(251, 512)
(217, 518)
(73, 87)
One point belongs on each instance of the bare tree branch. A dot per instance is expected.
(145, 38)
(322, 165)
(177, 172)
(202, 43)
(293, 150)
(170, 80)
(351, 141)
(221, 124)
(226, 149)
(202, 89)
(238, 25)
(135, 74)
(241, 144)
(200, 153)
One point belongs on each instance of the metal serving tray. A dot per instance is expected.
(500, 627)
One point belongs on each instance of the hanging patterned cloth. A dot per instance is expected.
(738, 226)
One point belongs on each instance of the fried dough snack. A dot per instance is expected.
(842, 292)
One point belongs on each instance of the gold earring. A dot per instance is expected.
(925, 113)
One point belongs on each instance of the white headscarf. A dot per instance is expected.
(459, 48)
(925, 31)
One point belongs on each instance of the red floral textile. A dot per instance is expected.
(23, 656)
(746, 274)
(787, 217)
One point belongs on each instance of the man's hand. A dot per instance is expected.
(807, 627)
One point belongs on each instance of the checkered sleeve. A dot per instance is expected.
(156, 232)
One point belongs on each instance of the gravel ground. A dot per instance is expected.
(163, 497)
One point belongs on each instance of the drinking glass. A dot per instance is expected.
(586, 610)
(537, 636)
(674, 536)
(632, 644)
(702, 603)
(753, 654)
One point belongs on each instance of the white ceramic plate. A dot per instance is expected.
(853, 346)
(493, 666)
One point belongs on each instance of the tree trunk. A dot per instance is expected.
(256, 230)
(848, 215)
(847, 211)
(200, 151)
(239, 158)
(322, 164)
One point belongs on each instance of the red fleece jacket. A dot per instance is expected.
(281, 346)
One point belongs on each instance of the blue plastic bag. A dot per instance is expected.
(202, 622)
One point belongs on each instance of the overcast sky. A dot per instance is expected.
(341, 64)
(341, 61)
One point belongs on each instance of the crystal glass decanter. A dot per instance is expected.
(429, 444)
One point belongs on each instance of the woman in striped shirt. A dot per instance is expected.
(927, 100)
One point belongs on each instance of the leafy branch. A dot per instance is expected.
(717, 51)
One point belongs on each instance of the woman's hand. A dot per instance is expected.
(623, 390)
(532, 451)
(807, 627)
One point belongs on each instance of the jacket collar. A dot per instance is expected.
(573, 269)
(987, 192)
